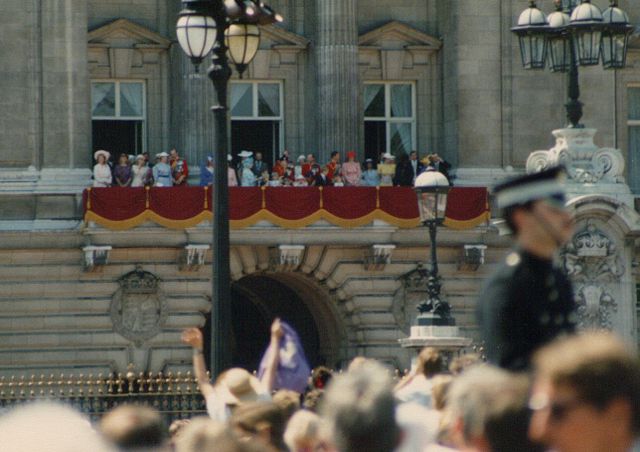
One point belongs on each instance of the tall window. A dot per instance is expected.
(389, 118)
(118, 113)
(633, 123)
(256, 118)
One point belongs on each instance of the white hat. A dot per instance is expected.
(162, 154)
(386, 155)
(229, 158)
(301, 158)
(245, 154)
(101, 152)
(239, 386)
(139, 156)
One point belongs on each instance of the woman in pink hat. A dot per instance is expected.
(101, 171)
(351, 171)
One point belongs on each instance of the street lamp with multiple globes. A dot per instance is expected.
(229, 31)
(432, 189)
(576, 34)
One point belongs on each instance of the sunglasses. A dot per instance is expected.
(558, 410)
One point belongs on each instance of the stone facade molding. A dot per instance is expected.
(378, 256)
(193, 257)
(584, 161)
(95, 257)
(138, 308)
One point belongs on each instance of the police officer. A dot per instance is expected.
(529, 301)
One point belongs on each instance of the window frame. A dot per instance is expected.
(255, 105)
(631, 123)
(117, 117)
(388, 119)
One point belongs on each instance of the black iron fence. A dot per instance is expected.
(175, 396)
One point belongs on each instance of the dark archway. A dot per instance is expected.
(256, 301)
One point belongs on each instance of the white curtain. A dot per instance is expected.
(241, 99)
(400, 137)
(401, 101)
(103, 99)
(131, 99)
(370, 93)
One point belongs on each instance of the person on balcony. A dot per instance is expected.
(416, 164)
(206, 172)
(162, 171)
(259, 165)
(232, 178)
(403, 176)
(141, 172)
(247, 178)
(101, 171)
(370, 176)
(179, 168)
(334, 165)
(387, 169)
(298, 169)
(351, 170)
(122, 172)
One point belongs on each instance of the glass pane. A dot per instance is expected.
(103, 99)
(242, 99)
(634, 103)
(268, 99)
(401, 101)
(131, 99)
(400, 137)
(374, 100)
(634, 159)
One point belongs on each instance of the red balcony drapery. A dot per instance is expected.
(289, 207)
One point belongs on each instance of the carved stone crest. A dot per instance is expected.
(592, 261)
(138, 308)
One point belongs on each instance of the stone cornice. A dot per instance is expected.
(123, 28)
(398, 31)
(283, 39)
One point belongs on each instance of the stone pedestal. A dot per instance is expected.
(446, 338)
(599, 258)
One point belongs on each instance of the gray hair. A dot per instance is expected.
(484, 396)
(360, 409)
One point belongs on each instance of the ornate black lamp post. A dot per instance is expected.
(577, 33)
(432, 188)
(230, 29)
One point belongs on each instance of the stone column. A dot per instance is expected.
(339, 106)
(192, 131)
(65, 122)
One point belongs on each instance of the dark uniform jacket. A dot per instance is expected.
(526, 304)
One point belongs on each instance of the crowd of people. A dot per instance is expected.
(172, 170)
(583, 395)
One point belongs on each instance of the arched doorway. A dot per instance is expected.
(257, 299)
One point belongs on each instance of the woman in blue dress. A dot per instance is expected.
(370, 177)
(162, 171)
(247, 178)
(206, 172)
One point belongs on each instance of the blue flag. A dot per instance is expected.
(293, 369)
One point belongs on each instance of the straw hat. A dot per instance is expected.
(238, 386)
